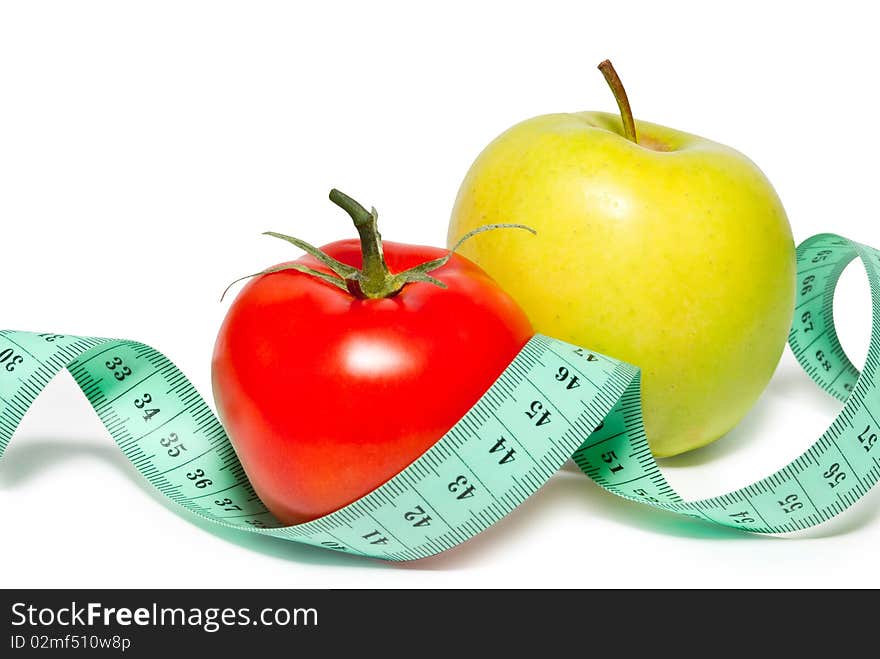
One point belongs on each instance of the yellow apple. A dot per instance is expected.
(654, 246)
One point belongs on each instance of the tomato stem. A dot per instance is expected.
(374, 279)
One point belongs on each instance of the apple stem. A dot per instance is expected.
(626, 115)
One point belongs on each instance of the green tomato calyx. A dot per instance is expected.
(373, 280)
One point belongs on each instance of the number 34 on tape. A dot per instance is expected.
(555, 401)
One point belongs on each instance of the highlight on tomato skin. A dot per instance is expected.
(333, 372)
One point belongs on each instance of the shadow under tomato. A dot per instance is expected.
(27, 457)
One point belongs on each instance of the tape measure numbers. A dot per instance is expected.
(553, 402)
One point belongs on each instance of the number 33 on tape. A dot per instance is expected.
(553, 402)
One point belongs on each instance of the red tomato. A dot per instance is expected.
(326, 396)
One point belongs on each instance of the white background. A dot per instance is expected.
(145, 146)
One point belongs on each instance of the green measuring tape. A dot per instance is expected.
(553, 402)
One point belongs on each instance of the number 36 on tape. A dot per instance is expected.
(517, 435)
